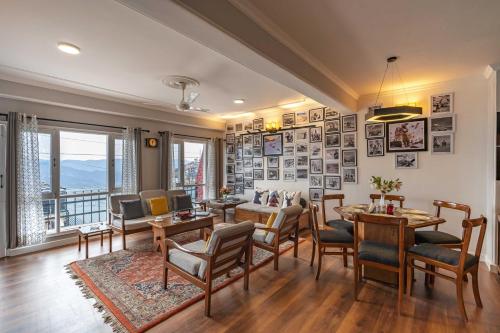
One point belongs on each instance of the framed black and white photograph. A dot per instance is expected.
(302, 135)
(247, 140)
(230, 179)
(288, 162)
(376, 130)
(239, 127)
(248, 173)
(248, 125)
(302, 161)
(316, 134)
(230, 128)
(231, 189)
(230, 169)
(442, 124)
(333, 183)
(301, 174)
(315, 194)
(302, 148)
(332, 126)
(258, 174)
(257, 151)
(230, 159)
(273, 162)
(273, 144)
(289, 138)
(230, 148)
(258, 163)
(315, 181)
(406, 160)
(317, 114)
(316, 149)
(349, 158)
(289, 175)
(230, 138)
(316, 165)
(375, 147)
(257, 140)
(442, 143)
(408, 135)
(350, 175)
(273, 174)
(441, 103)
(332, 140)
(301, 117)
(238, 177)
(288, 119)
(289, 151)
(330, 113)
(332, 154)
(247, 152)
(349, 140)
(239, 188)
(258, 124)
(238, 167)
(247, 163)
(248, 183)
(239, 154)
(350, 123)
(332, 168)
(239, 141)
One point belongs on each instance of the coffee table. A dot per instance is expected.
(224, 205)
(94, 230)
(169, 227)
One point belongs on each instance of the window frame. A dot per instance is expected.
(181, 142)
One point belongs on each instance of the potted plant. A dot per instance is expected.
(385, 186)
(224, 192)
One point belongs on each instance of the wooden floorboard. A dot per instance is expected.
(36, 295)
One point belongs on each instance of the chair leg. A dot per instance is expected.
(432, 278)
(344, 256)
(208, 298)
(400, 288)
(475, 287)
(356, 279)
(296, 244)
(320, 259)
(460, 296)
(276, 259)
(124, 243)
(313, 252)
(409, 278)
(246, 277)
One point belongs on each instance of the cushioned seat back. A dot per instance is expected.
(171, 197)
(114, 201)
(149, 194)
(223, 237)
(286, 218)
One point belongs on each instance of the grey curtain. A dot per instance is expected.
(11, 184)
(138, 151)
(166, 160)
(219, 164)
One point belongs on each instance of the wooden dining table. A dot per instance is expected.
(388, 234)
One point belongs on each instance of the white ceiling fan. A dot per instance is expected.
(183, 82)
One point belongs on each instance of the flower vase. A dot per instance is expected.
(381, 203)
(224, 197)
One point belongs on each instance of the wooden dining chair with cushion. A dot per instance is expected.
(389, 197)
(339, 224)
(458, 262)
(328, 238)
(202, 262)
(283, 228)
(377, 254)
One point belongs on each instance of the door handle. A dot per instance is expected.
(1, 181)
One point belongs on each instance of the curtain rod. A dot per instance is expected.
(78, 123)
(186, 136)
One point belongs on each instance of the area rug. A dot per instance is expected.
(128, 288)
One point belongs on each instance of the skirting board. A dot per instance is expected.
(41, 247)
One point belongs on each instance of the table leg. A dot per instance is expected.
(102, 238)
(111, 241)
(79, 243)
(224, 213)
(86, 246)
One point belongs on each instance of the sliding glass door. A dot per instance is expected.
(3, 179)
(190, 167)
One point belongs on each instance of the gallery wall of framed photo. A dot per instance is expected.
(315, 151)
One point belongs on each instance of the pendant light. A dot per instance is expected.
(393, 113)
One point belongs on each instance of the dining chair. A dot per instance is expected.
(390, 197)
(328, 238)
(458, 262)
(202, 262)
(341, 223)
(377, 254)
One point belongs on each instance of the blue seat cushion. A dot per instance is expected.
(378, 252)
(335, 236)
(341, 224)
(443, 254)
(435, 237)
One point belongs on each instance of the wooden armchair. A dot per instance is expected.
(200, 263)
(458, 263)
(339, 224)
(285, 227)
(324, 239)
(390, 197)
(377, 254)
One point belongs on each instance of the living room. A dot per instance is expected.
(189, 165)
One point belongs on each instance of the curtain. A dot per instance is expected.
(11, 184)
(30, 222)
(212, 170)
(129, 162)
(138, 158)
(166, 160)
(219, 165)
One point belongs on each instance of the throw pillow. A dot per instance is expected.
(183, 202)
(260, 197)
(131, 209)
(159, 206)
(290, 199)
(273, 200)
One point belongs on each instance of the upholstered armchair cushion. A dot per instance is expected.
(185, 261)
(114, 201)
(435, 237)
(294, 210)
(183, 202)
(131, 209)
(341, 225)
(379, 252)
(171, 194)
(443, 254)
(259, 235)
(150, 194)
(336, 236)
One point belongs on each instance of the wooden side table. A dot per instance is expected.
(88, 231)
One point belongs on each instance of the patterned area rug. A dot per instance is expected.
(128, 288)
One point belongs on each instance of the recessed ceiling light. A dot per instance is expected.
(239, 101)
(68, 48)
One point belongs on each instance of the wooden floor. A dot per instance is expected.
(36, 295)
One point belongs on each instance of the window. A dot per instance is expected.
(189, 167)
(118, 163)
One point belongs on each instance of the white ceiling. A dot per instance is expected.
(124, 55)
(436, 40)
